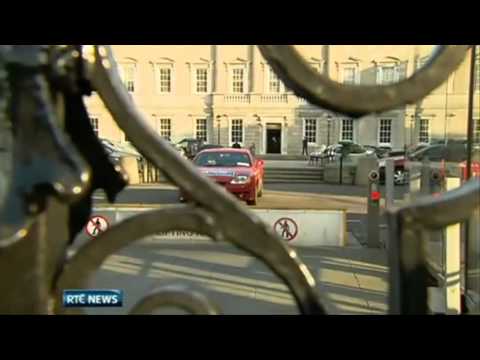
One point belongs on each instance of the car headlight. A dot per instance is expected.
(240, 179)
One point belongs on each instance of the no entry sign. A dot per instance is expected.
(286, 227)
(96, 225)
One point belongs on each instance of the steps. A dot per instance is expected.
(293, 175)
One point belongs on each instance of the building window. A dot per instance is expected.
(127, 74)
(385, 131)
(387, 75)
(347, 130)
(424, 131)
(238, 80)
(349, 75)
(310, 132)
(422, 61)
(165, 79)
(237, 131)
(94, 123)
(165, 128)
(476, 131)
(201, 80)
(274, 84)
(201, 129)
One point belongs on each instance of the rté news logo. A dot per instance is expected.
(93, 298)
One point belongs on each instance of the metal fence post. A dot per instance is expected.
(425, 180)
(414, 183)
(389, 183)
(340, 172)
(373, 211)
(452, 260)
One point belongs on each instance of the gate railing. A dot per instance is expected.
(53, 179)
(408, 227)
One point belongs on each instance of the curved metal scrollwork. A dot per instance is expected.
(232, 221)
(192, 301)
(45, 86)
(88, 259)
(407, 262)
(356, 100)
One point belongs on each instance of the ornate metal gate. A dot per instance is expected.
(56, 166)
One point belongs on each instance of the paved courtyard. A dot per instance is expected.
(350, 280)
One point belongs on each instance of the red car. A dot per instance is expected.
(234, 169)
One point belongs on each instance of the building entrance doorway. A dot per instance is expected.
(274, 138)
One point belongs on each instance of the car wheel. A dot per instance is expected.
(399, 177)
(253, 202)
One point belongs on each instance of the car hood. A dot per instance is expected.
(225, 172)
(396, 160)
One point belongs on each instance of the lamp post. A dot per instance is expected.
(219, 120)
(259, 124)
(470, 126)
(329, 124)
(412, 128)
(413, 125)
(470, 140)
(284, 134)
(445, 136)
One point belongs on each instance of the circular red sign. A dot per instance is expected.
(286, 228)
(96, 225)
(375, 195)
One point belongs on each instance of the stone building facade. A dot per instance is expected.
(228, 93)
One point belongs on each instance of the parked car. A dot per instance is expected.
(335, 150)
(379, 151)
(121, 149)
(116, 150)
(350, 151)
(210, 146)
(414, 148)
(400, 175)
(451, 152)
(190, 146)
(236, 170)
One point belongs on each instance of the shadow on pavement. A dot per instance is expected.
(349, 281)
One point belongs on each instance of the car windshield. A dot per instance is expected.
(432, 153)
(223, 159)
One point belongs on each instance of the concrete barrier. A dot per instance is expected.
(302, 228)
(331, 174)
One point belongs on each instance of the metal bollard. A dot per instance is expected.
(425, 178)
(414, 182)
(389, 183)
(437, 182)
(373, 210)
